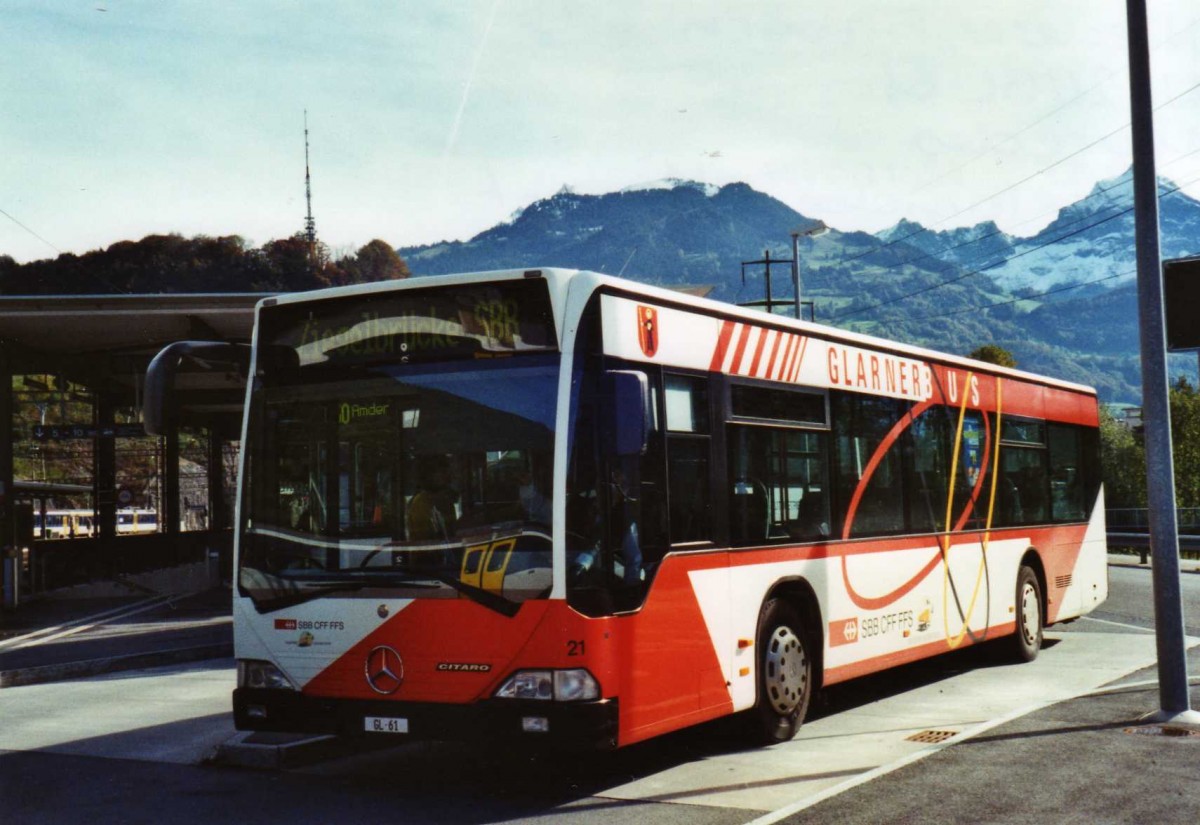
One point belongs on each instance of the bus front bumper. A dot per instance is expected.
(590, 725)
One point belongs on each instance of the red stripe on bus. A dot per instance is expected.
(774, 354)
(799, 360)
(788, 353)
(738, 352)
(758, 351)
(722, 346)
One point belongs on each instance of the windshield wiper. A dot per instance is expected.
(324, 587)
(300, 596)
(490, 600)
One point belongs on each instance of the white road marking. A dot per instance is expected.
(49, 634)
(1117, 624)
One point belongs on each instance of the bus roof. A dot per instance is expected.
(559, 278)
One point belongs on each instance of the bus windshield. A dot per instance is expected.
(384, 478)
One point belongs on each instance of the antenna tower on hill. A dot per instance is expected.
(310, 225)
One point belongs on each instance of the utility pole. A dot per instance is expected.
(811, 229)
(770, 303)
(1174, 701)
(310, 225)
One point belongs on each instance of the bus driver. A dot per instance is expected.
(431, 513)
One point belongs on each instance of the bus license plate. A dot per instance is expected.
(385, 724)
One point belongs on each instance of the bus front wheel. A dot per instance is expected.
(785, 674)
(1028, 639)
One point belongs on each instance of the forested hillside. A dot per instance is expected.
(173, 263)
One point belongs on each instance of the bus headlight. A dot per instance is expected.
(559, 685)
(255, 673)
(575, 686)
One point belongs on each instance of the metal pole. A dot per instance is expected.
(796, 271)
(1160, 475)
(11, 572)
(767, 259)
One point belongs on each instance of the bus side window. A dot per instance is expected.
(1024, 490)
(925, 446)
(861, 423)
(779, 489)
(1066, 484)
(778, 465)
(688, 444)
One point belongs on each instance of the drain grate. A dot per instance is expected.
(931, 737)
(1163, 730)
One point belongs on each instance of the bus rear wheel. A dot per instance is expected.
(785, 674)
(1027, 641)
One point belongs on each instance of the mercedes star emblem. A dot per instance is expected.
(385, 670)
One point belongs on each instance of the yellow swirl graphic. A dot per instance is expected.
(954, 640)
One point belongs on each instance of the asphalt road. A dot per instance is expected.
(1131, 599)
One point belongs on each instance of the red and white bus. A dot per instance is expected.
(556, 505)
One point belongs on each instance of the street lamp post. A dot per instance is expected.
(810, 230)
(1173, 691)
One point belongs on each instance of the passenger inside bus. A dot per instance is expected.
(535, 505)
(585, 532)
(431, 513)
(626, 512)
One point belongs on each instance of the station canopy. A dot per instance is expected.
(106, 342)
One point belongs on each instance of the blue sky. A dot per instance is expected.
(433, 121)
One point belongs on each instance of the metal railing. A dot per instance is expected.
(1130, 527)
(1137, 520)
(53, 564)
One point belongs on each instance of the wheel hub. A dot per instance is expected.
(786, 670)
(1029, 613)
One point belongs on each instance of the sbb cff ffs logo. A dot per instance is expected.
(843, 632)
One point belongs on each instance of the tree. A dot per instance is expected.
(1123, 456)
(1185, 440)
(994, 354)
(376, 261)
(289, 267)
(1122, 462)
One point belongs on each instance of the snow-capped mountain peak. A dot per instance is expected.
(709, 189)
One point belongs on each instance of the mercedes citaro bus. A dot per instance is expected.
(559, 506)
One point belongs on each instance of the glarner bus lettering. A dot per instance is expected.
(879, 373)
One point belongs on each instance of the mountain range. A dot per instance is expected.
(1088, 241)
(1063, 300)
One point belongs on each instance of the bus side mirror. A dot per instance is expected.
(158, 408)
(629, 415)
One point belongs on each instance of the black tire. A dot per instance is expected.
(785, 674)
(1027, 640)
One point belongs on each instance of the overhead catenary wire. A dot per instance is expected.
(936, 256)
(1017, 184)
(1002, 261)
(30, 231)
(1108, 77)
(1055, 291)
(993, 196)
(981, 238)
